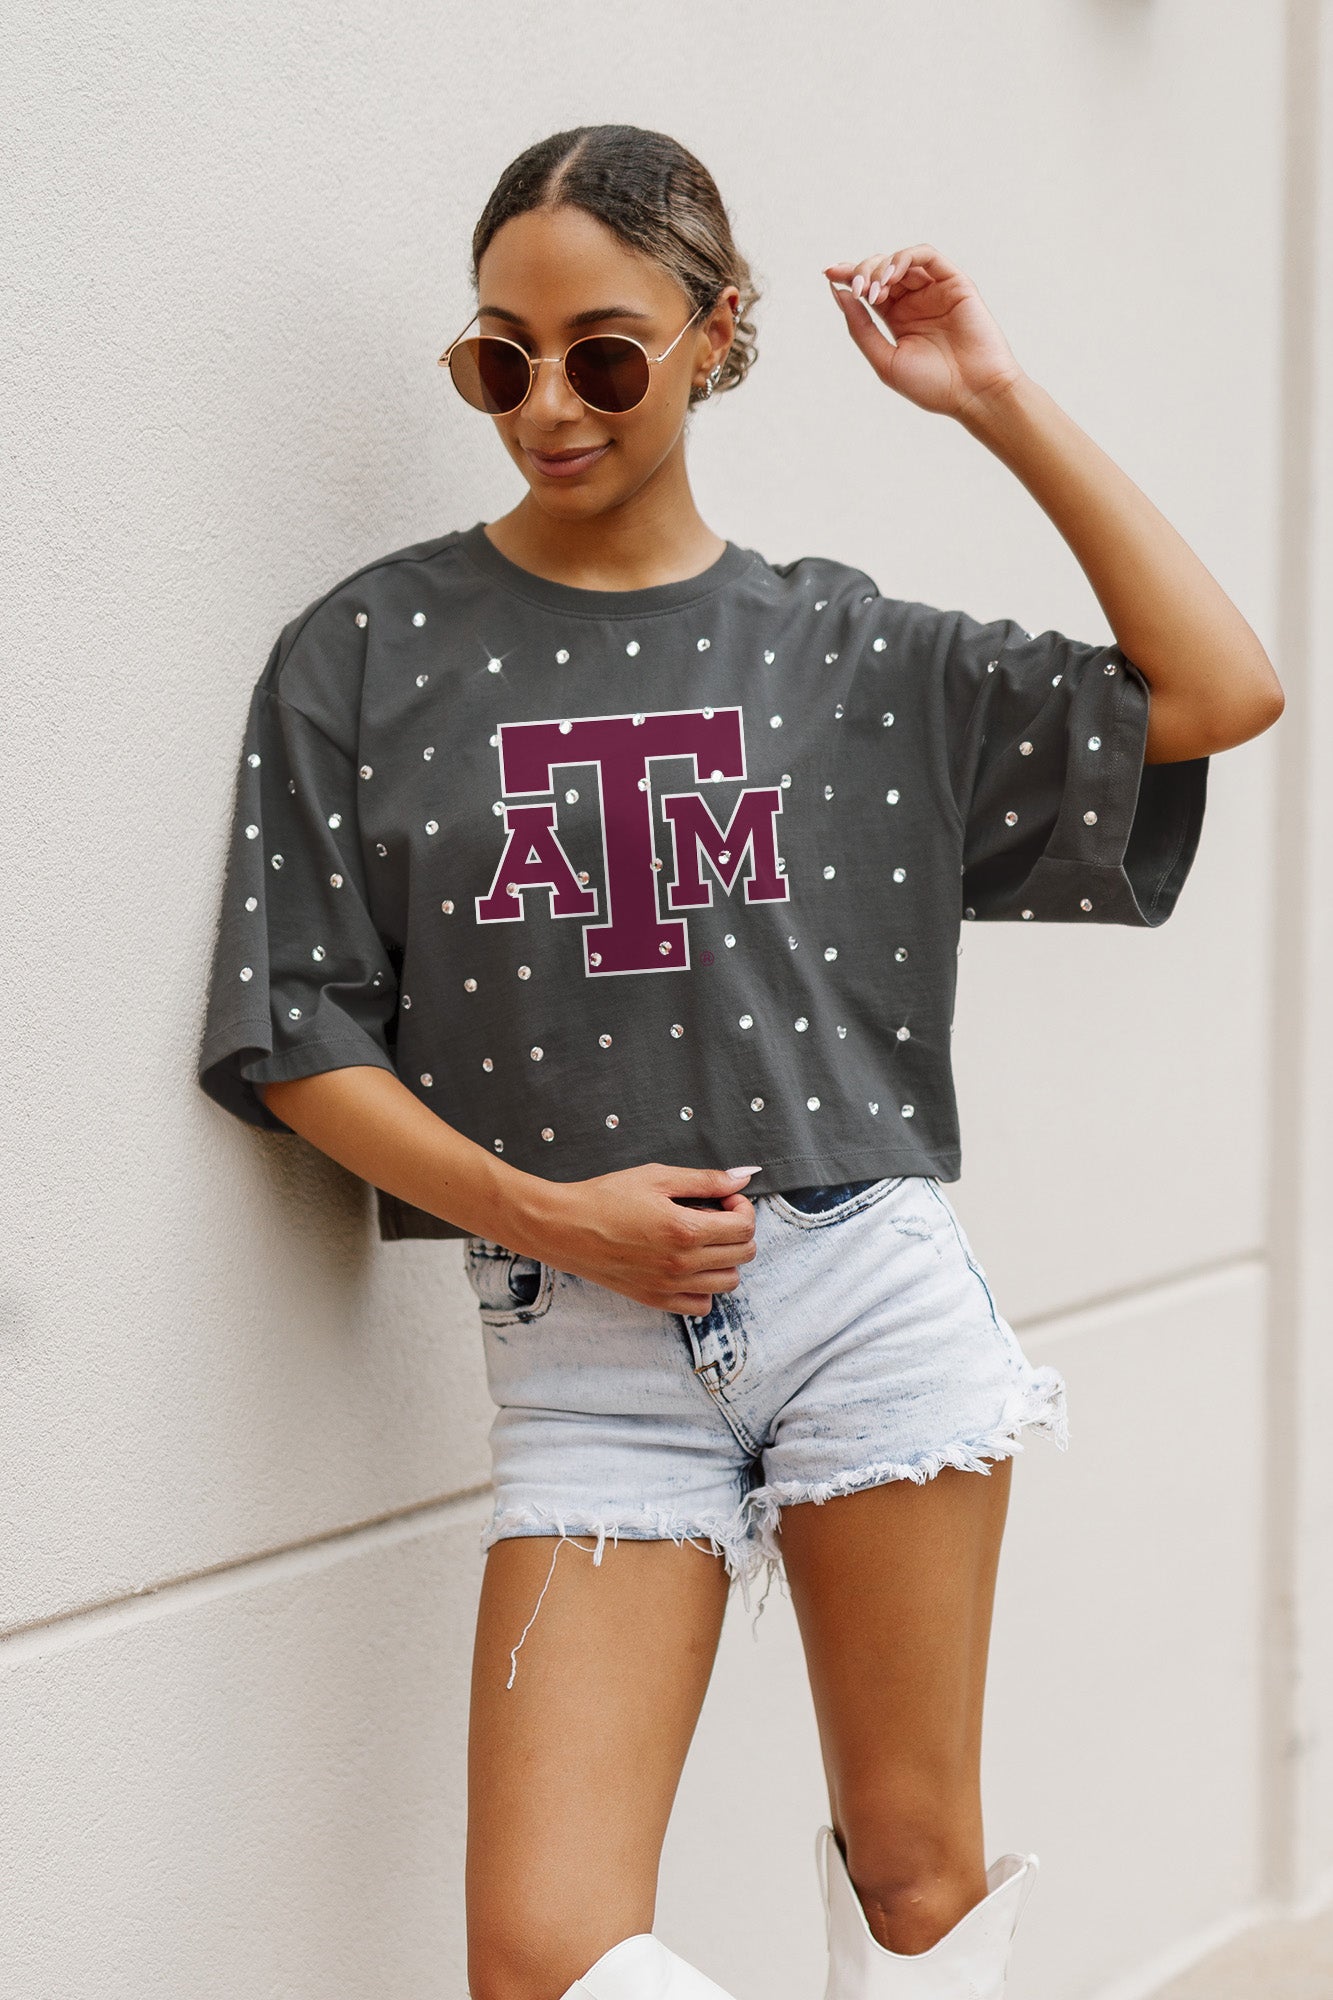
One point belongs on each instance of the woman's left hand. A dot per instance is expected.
(949, 351)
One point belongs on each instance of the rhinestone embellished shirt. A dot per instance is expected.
(669, 874)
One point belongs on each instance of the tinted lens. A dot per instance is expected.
(490, 373)
(608, 372)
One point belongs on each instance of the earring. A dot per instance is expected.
(713, 380)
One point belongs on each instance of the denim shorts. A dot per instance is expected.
(861, 1345)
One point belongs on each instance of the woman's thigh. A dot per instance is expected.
(572, 1768)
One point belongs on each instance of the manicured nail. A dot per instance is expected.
(858, 284)
(873, 293)
(739, 1173)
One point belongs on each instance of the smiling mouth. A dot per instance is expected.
(565, 464)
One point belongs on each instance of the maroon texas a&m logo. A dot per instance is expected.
(634, 937)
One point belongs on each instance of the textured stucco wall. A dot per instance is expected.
(242, 1440)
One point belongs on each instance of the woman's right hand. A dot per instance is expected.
(631, 1232)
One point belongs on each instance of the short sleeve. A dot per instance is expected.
(301, 981)
(1061, 819)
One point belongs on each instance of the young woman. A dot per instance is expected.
(594, 894)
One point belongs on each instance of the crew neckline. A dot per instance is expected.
(579, 602)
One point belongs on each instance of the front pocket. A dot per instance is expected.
(818, 1207)
(510, 1288)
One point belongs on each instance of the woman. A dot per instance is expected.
(767, 794)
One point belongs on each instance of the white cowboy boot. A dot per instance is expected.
(643, 1968)
(968, 1963)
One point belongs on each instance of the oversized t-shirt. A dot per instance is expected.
(670, 874)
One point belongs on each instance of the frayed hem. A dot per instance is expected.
(735, 1542)
(1038, 1405)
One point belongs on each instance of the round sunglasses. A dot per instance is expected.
(609, 372)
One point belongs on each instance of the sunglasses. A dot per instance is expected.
(609, 372)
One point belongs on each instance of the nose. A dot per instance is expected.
(551, 401)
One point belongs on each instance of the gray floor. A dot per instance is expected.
(1280, 1962)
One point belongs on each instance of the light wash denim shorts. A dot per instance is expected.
(861, 1345)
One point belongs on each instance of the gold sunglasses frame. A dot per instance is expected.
(535, 361)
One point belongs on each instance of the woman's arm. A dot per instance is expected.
(1212, 683)
(627, 1230)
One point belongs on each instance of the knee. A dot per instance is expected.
(917, 1871)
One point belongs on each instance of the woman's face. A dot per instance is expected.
(545, 279)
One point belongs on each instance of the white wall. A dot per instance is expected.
(241, 1441)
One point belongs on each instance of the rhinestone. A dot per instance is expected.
(291, 784)
(335, 820)
(775, 722)
(571, 798)
(969, 911)
(1025, 749)
(253, 760)
(603, 1041)
(828, 791)
(638, 721)
(422, 679)
(366, 771)
(715, 774)
(494, 741)
(769, 659)
(318, 951)
(812, 1104)
(594, 958)
(665, 948)
(1027, 915)
(427, 1078)
(418, 618)
(428, 752)
(880, 644)
(791, 941)
(830, 952)
(547, 1133)
(380, 848)
(562, 658)
(820, 602)
(525, 972)
(1109, 668)
(585, 878)
(1085, 904)
(829, 658)
(487, 1064)
(756, 1104)
(728, 940)
(800, 1024)
(838, 713)
(612, 1120)
(842, 1032)
(891, 798)
(1094, 743)
(469, 985)
(447, 907)
(685, 1111)
(252, 833)
(1011, 819)
(724, 853)
(676, 1031)
(708, 715)
(512, 889)
(361, 618)
(565, 728)
(887, 718)
(247, 972)
(900, 874)
(829, 872)
(376, 980)
(1089, 819)
(498, 1144)
(991, 665)
(704, 644)
(536, 1054)
(494, 666)
(909, 1110)
(252, 902)
(874, 1108)
(785, 781)
(1056, 680)
(633, 649)
(901, 953)
(747, 1020)
(294, 1013)
(643, 784)
(498, 807)
(782, 866)
(275, 860)
(904, 1034)
(432, 826)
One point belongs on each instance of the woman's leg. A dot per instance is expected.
(572, 1771)
(893, 1589)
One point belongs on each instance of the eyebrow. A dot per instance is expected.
(588, 318)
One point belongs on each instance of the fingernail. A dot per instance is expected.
(858, 284)
(739, 1173)
(873, 293)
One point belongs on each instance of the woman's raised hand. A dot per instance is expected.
(946, 349)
